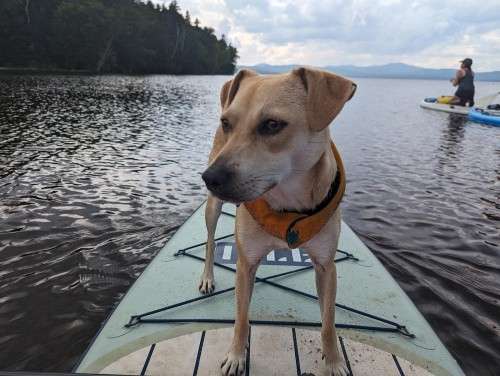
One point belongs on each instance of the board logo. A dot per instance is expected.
(225, 253)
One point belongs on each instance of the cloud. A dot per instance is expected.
(324, 32)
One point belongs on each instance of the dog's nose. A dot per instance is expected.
(215, 176)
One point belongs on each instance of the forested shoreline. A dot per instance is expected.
(109, 36)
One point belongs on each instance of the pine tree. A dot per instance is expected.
(123, 36)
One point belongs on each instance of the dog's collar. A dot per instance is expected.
(296, 228)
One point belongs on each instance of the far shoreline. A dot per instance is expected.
(21, 71)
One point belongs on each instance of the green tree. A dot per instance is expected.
(123, 36)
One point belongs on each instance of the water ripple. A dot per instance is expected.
(96, 172)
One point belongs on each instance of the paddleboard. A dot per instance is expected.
(164, 305)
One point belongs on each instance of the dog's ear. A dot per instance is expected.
(326, 95)
(230, 88)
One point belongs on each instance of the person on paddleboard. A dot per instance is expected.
(464, 79)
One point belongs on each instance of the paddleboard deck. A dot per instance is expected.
(460, 110)
(364, 287)
(482, 102)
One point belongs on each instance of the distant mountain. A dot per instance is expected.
(393, 70)
(268, 68)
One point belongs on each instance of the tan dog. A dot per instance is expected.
(273, 142)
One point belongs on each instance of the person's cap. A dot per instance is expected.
(467, 62)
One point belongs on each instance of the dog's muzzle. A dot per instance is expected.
(218, 178)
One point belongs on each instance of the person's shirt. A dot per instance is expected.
(464, 78)
(458, 77)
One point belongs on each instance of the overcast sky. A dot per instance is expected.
(361, 32)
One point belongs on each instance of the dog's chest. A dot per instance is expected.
(256, 243)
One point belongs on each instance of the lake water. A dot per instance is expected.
(95, 172)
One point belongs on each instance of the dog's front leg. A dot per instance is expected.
(326, 285)
(234, 362)
(212, 213)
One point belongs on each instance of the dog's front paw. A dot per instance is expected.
(233, 364)
(207, 284)
(338, 368)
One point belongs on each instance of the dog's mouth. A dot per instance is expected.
(232, 197)
(227, 198)
(240, 196)
(228, 185)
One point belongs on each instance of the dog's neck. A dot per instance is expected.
(302, 191)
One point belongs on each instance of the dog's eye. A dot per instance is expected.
(271, 127)
(226, 125)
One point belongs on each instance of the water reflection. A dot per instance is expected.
(455, 131)
(449, 147)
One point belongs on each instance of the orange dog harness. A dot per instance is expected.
(296, 228)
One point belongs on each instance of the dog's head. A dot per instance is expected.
(272, 127)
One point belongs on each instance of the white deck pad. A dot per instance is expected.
(273, 352)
